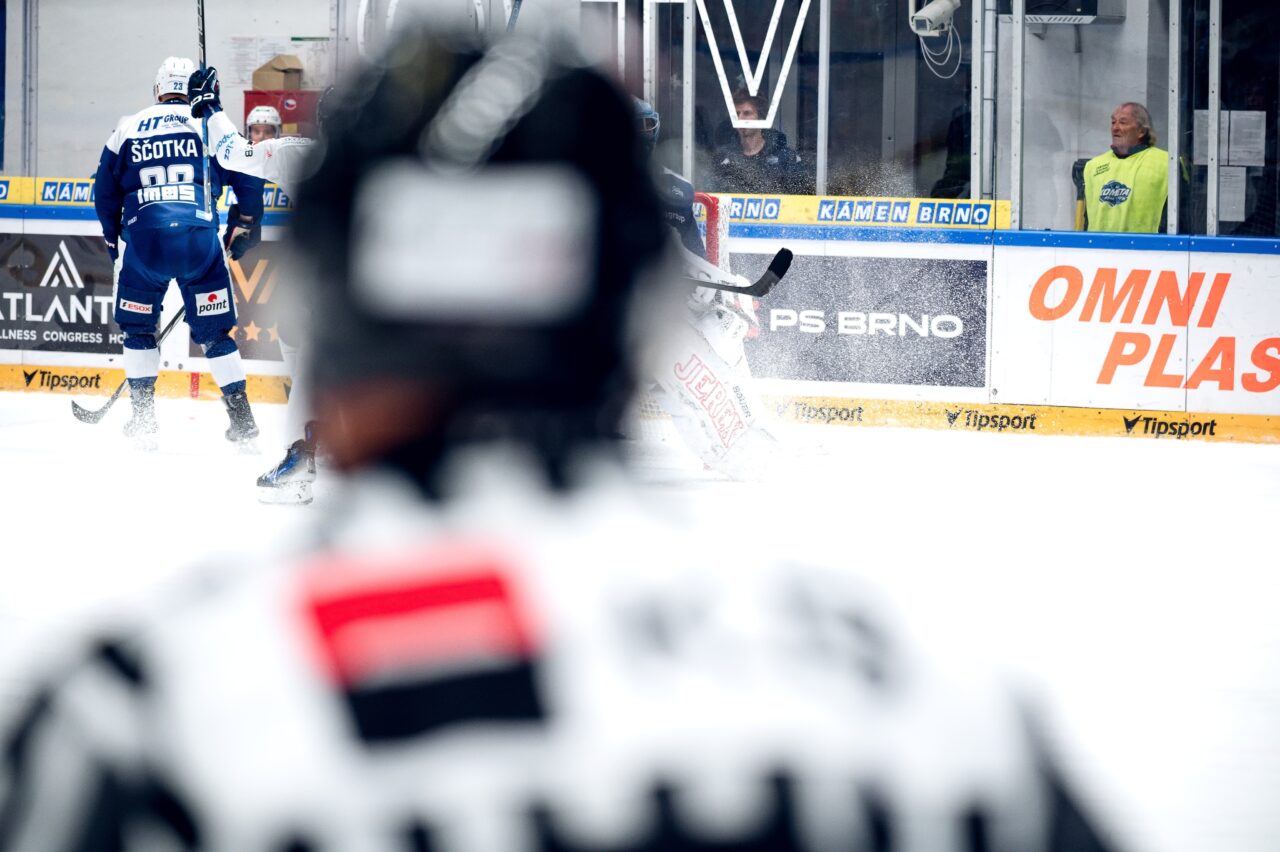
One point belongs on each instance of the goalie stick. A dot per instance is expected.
(707, 275)
(84, 415)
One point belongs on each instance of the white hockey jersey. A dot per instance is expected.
(523, 670)
(282, 161)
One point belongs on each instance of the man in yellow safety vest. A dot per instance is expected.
(1126, 188)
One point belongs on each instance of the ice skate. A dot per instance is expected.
(142, 426)
(290, 481)
(243, 428)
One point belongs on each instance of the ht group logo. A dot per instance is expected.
(49, 380)
(1177, 429)
(980, 422)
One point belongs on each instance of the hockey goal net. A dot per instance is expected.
(714, 225)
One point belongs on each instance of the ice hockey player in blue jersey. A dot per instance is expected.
(676, 192)
(149, 194)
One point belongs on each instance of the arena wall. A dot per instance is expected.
(897, 312)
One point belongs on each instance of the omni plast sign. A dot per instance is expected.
(1146, 330)
(1141, 302)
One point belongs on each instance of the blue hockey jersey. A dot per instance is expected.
(677, 208)
(150, 175)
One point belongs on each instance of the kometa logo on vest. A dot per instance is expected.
(1114, 192)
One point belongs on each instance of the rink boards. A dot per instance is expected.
(897, 312)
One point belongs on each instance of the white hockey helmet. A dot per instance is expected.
(262, 115)
(172, 77)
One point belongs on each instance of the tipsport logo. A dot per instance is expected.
(49, 380)
(977, 421)
(1178, 430)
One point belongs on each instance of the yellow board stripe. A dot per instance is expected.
(969, 417)
(102, 381)
(1030, 419)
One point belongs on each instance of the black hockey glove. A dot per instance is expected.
(242, 234)
(203, 93)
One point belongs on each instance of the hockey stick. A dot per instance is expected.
(777, 268)
(515, 13)
(84, 415)
(207, 212)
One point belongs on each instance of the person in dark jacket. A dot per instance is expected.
(759, 161)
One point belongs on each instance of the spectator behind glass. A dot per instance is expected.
(758, 160)
(1125, 189)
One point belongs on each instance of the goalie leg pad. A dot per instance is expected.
(713, 408)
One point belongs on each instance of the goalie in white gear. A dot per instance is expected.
(496, 642)
(704, 380)
(284, 161)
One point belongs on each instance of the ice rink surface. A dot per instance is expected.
(1131, 582)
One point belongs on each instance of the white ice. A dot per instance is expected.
(1134, 582)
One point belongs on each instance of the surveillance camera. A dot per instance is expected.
(934, 19)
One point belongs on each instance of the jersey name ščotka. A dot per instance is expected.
(151, 174)
(283, 161)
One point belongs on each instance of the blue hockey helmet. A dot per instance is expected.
(649, 122)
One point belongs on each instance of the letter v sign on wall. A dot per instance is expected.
(753, 75)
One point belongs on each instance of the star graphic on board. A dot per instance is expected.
(272, 333)
(251, 331)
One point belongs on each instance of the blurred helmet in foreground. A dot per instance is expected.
(479, 223)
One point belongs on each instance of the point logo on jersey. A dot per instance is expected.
(1113, 193)
(217, 302)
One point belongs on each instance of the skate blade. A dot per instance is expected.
(145, 443)
(247, 447)
(287, 494)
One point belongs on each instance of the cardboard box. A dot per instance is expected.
(281, 73)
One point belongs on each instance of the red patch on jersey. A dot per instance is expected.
(442, 608)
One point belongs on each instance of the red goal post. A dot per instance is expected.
(708, 209)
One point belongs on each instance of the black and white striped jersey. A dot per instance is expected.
(516, 670)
